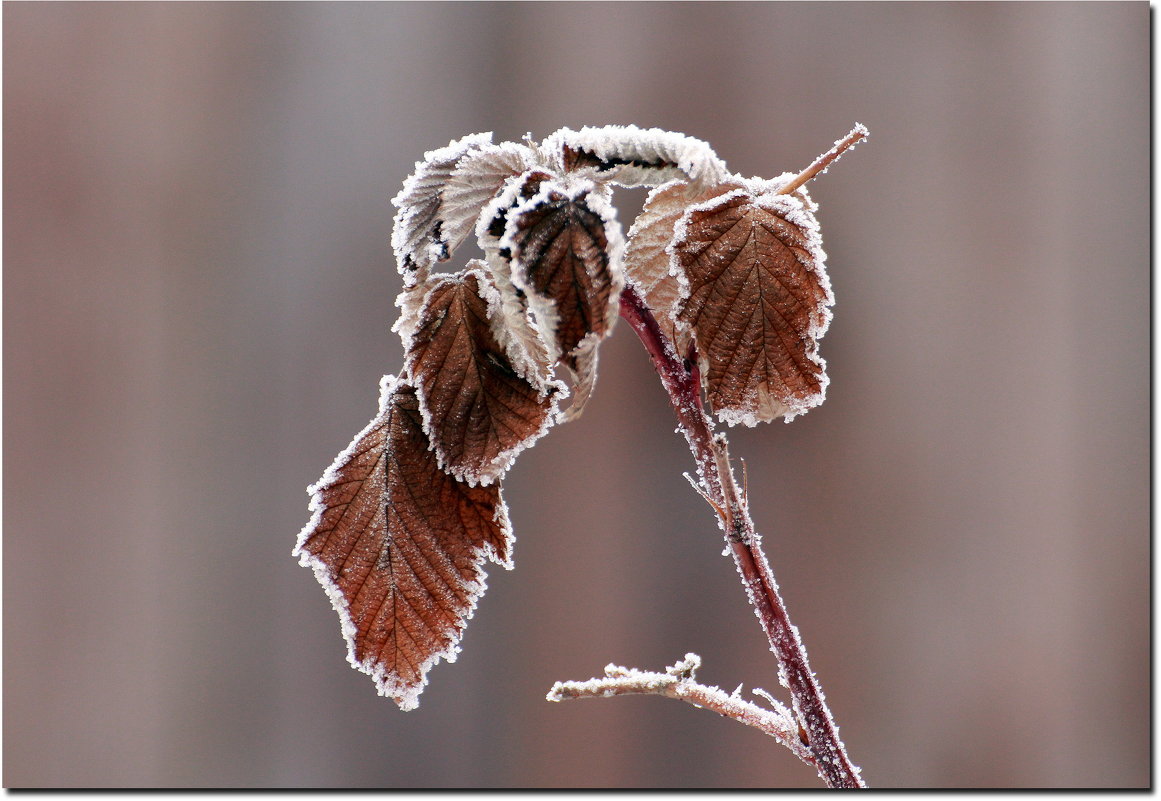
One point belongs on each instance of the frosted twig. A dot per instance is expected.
(678, 682)
(820, 164)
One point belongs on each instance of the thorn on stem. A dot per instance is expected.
(705, 497)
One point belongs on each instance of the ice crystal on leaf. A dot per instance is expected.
(418, 237)
(730, 267)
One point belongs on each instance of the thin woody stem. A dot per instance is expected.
(857, 134)
(717, 479)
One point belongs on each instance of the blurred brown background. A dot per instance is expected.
(198, 287)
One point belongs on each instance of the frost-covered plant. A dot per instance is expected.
(722, 278)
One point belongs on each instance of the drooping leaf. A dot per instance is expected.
(757, 303)
(565, 247)
(478, 411)
(630, 156)
(534, 316)
(508, 305)
(399, 547)
(418, 237)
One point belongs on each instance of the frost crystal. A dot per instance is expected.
(477, 178)
(629, 156)
(417, 237)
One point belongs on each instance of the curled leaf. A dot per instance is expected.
(399, 547)
(477, 178)
(565, 247)
(529, 351)
(757, 303)
(582, 366)
(630, 156)
(478, 411)
(418, 237)
(508, 308)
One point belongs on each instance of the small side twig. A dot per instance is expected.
(678, 681)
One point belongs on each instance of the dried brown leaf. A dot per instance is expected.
(757, 304)
(582, 367)
(508, 305)
(399, 546)
(418, 237)
(565, 247)
(478, 411)
(478, 177)
(630, 156)
(647, 254)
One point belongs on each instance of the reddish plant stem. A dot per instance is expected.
(683, 385)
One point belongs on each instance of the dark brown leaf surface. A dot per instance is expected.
(477, 410)
(647, 258)
(399, 547)
(560, 245)
(757, 303)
